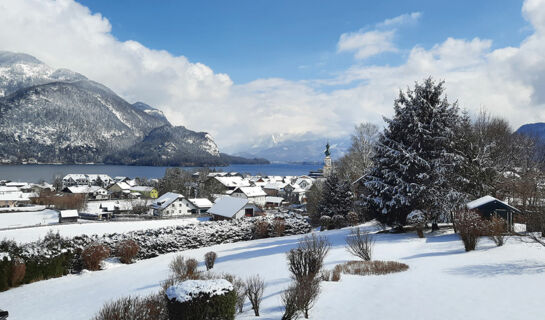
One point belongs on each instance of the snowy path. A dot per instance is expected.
(90, 227)
(443, 281)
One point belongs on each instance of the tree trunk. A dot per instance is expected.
(434, 226)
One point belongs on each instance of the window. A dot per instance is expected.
(249, 212)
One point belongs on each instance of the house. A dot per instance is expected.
(227, 182)
(102, 180)
(199, 205)
(93, 192)
(68, 216)
(253, 194)
(170, 204)
(145, 191)
(233, 208)
(489, 206)
(13, 197)
(273, 202)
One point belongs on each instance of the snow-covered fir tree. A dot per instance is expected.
(336, 197)
(415, 158)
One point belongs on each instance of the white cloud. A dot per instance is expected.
(406, 18)
(506, 81)
(367, 44)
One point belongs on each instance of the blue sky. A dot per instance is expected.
(254, 72)
(297, 39)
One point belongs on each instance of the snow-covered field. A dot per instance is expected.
(88, 227)
(443, 281)
(24, 219)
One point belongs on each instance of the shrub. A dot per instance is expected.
(376, 267)
(93, 255)
(279, 227)
(18, 270)
(127, 250)
(360, 244)
(418, 218)
(240, 290)
(338, 221)
(261, 229)
(183, 269)
(306, 292)
(201, 299)
(325, 222)
(210, 259)
(470, 227)
(495, 229)
(352, 218)
(254, 291)
(289, 300)
(325, 275)
(336, 275)
(135, 308)
(306, 261)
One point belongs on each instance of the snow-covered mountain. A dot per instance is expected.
(59, 116)
(303, 149)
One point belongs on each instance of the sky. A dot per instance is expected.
(246, 71)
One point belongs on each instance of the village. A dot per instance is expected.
(100, 197)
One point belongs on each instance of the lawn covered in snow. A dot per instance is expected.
(443, 281)
(32, 218)
(90, 227)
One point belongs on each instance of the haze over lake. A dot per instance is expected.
(47, 172)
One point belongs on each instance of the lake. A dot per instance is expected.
(47, 172)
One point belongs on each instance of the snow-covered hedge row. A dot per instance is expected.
(55, 256)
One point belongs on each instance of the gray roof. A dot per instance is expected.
(228, 206)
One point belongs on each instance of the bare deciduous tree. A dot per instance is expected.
(360, 244)
(254, 291)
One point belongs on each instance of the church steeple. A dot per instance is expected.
(328, 166)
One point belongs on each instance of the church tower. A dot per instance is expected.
(328, 166)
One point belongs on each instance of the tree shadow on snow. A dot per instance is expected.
(433, 254)
(492, 270)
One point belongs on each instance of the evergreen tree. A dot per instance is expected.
(416, 158)
(336, 197)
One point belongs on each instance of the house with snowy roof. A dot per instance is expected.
(93, 192)
(145, 191)
(68, 216)
(253, 194)
(233, 208)
(226, 183)
(199, 205)
(489, 206)
(171, 204)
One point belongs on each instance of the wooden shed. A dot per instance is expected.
(489, 206)
(68, 216)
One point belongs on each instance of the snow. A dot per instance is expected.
(190, 289)
(443, 281)
(227, 206)
(25, 219)
(252, 191)
(5, 255)
(88, 228)
(69, 213)
(201, 202)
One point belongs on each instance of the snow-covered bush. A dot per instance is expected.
(210, 259)
(338, 221)
(470, 226)
(418, 218)
(127, 250)
(93, 255)
(375, 267)
(152, 307)
(201, 299)
(261, 229)
(325, 222)
(360, 244)
(352, 218)
(279, 227)
(182, 269)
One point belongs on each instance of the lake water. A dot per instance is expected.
(47, 172)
